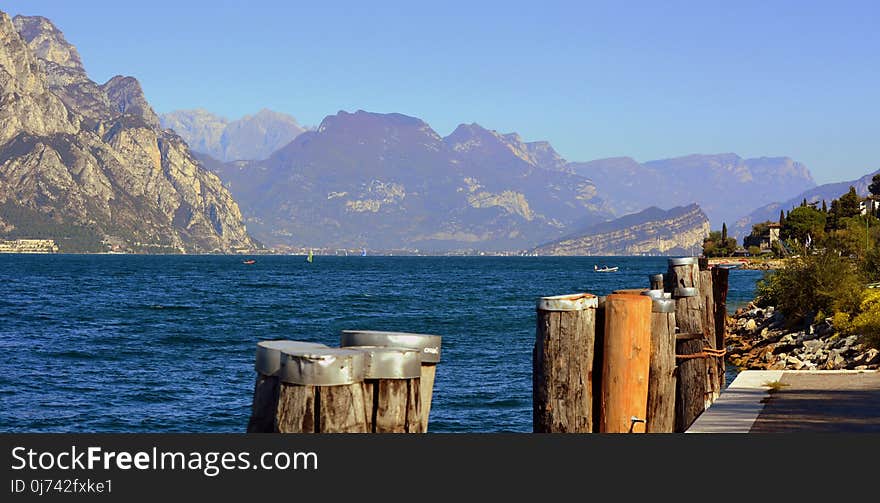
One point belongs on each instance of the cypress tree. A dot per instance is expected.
(781, 218)
(824, 208)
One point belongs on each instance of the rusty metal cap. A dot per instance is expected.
(429, 345)
(322, 366)
(268, 359)
(683, 261)
(654, 294)
(390, 363)
(569, 302)
(663, 305)
(657, 278)
(685, 292)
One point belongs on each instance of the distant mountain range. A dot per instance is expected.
(88, 165)
(390, 181)
(678, 231)
(253, 137)
(725, 186)
(94, 164)
(826, 192)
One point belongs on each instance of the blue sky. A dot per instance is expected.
(597, 79)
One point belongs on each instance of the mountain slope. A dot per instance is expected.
(253, 137)
(390, 181)
(826, 192)
(87, 164)
(676, 231)
(725, 185)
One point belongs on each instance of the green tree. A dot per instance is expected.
(717, 246)
(802, 222)
(874, 188)
(723, 232)
(824, 207)
(781, 218)
(849, 203)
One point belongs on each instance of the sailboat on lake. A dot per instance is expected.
(309, 258)
(363, 252)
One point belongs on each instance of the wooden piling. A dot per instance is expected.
(321, 391)
(683, 281)
(428, 345)
(661, 379)
(719, 287)
(631, 291)
(713, 383)
(562, 364)
(656, 281)
(266, 388)
(626, 363)
(391, 389)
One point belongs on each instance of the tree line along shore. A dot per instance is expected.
(818, 304)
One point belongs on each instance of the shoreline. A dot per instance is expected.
(749, 263)
(760, 339)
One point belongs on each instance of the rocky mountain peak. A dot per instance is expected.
(127, 97)
(48, 42)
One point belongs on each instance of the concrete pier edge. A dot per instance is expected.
(742, 402)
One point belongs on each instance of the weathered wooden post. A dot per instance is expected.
(267, 365)
(661, 379)
(683, 281)
(321, 391)
(626, 363)
(656, 281)
(719, 286)
(713, 389)
(391, 389)
(427, 345)
(562, 364)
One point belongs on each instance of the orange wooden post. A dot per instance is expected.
(626, 363)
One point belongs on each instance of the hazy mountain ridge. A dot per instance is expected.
(676, 231)
(86, 163)
(724, 185)
(826, 192)
(253, 137)
(390, 181)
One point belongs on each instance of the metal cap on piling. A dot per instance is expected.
(654, 294)
(685, 292)
(682, 261)
(322, 366)
(663, 305)
(268, 358)
(568, 302)
(390, 363)
(428, 345)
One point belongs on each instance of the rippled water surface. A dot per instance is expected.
(117, 343)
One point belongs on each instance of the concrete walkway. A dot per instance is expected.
(777, 401)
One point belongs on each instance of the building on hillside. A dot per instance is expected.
(28, 246)
(765, 240)
(869, 205)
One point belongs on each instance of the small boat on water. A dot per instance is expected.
(309, 258)
(604, 268)
(729, 265)
(249, 261)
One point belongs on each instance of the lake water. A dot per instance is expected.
(120, 343)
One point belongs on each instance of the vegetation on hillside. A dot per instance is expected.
(835, 258)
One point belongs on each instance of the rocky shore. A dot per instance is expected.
(751, 264)
(758, 339)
